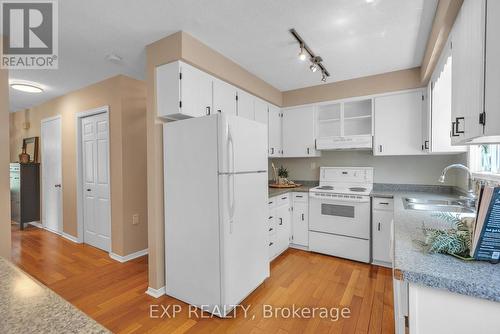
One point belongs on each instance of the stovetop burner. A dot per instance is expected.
(325, 188)
(357, 189)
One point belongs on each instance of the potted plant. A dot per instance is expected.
(282, 175)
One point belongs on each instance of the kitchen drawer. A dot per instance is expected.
(380, 203)
(300, 197)
(283, 199)
(271, 224)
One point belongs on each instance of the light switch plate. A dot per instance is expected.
(135, 219)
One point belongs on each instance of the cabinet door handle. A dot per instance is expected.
(270, 217)
(281, 221)
(308, 150)
(272, 150)
(208, 110)
(379, 226)
(426, 144)
(302, 217)
(284, 197)
(219, 110)
(380, 148)
(271, 243)
(453, 130)
(457, 123)
(270, 229)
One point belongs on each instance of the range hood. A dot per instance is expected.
(359, 142)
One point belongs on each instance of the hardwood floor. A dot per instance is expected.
(113, 293)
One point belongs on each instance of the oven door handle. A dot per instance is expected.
(340, 200)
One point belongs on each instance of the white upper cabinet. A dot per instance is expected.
(398, 124)
(345, 125)
(275, 130)
(224, 97)
(476, 73)
(260, 111)
(182, 91)
(246, 105)
(299, 132)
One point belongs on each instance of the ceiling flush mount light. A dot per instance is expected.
(114, 58)
(306, 52)
(26, 87)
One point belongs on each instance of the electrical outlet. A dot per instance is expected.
(135, 219)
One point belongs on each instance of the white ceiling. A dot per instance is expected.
(355, 38)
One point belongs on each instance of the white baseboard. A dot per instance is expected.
(36, 224)
(128, 257)
(70, 237)
(156, 293)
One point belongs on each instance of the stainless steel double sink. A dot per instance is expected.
(443, 205)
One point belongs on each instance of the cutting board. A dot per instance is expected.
(274, 185)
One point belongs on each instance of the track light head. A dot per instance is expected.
(323, 77)
(313, 68)
(302, 54)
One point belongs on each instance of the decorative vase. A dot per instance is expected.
(24, 157)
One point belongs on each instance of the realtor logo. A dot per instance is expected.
(30, 34)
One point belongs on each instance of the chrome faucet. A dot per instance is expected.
(471, 193)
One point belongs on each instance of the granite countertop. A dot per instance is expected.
(29, 307)
(476, 278)
(306, 185)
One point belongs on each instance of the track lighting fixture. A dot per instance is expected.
(306, 52)
(302, 54)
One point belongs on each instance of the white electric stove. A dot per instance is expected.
(339, 213)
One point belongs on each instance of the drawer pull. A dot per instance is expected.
(271, 243)
(284, 197)
(270, 229)
(270, 202)
(383, 203)
(299, 196)
(270, 217)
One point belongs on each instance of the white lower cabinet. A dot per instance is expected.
(382, 222)
(300, 220)
(279, 224)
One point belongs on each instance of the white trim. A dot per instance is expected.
(79, 173)
(128, 257)
(70, 237)
(304, 248)
(156, 293)
(42, 183)
(36, 224)
(486, 176)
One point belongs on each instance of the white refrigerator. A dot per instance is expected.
(215, 175)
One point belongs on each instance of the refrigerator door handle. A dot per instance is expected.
(230, 143)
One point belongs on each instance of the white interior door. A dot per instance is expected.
(96, 201)
(51, 175)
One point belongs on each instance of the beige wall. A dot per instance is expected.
(127, 118)
(4, 165)
(375, 84)
(445, 16)
(181, 46)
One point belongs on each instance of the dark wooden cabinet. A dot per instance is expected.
(25, 193)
